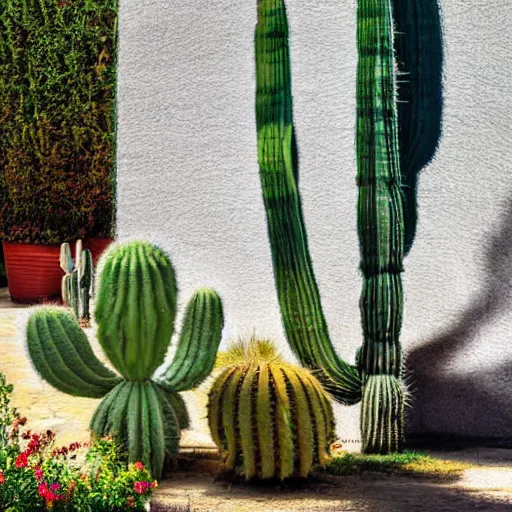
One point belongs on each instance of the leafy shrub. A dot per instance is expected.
(57, 99)
(34, 476)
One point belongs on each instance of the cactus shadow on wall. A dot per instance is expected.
(479, 401)
(419, 53)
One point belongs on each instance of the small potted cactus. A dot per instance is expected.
(57, 142)
(269, 419)
(78, 281)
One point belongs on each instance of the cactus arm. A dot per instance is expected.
(62, 355)
(380, 227)
(198, 342)
(298, 293)
(136, 344)
(419, 54)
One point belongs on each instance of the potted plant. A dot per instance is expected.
(57, 143)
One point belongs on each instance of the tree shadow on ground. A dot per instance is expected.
(479, 401)
(368, 493)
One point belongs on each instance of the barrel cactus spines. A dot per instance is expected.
(135, 313)
(78, 281)
(380, 227)
(269, 419)
(298, 294)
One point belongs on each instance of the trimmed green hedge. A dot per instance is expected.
(57, 115)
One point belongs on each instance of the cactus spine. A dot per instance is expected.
(299, 298)
(267, 417)
(78, 281)
(380, 227)
(135, 311)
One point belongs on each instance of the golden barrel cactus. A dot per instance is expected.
(268, 418)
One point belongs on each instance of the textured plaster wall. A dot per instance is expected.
(188, 180)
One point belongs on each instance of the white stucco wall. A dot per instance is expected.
(188, 180)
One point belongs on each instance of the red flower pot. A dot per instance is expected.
(33, 270)
(97, 246)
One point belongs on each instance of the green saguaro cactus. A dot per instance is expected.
(135, 312)
(380, 227)
(78, 281)
(299, 298)
(376, 378)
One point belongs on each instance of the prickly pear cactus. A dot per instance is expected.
(135, 311)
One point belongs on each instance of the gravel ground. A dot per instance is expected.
(483, 489)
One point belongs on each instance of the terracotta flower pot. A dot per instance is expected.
(33, 270)
(97, 246)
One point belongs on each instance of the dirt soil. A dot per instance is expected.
(483, 489)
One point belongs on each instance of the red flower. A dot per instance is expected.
(38, 472)
(139, 466)
(22, 460)
(140, 487)
(2, 478)
(143, 487)
(43, 490)
(55, 486)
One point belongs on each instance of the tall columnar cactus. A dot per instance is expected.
(267, 417)
(299, 298)
(135, 311)
(78, 281)
(380, 226)
(377, 374)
